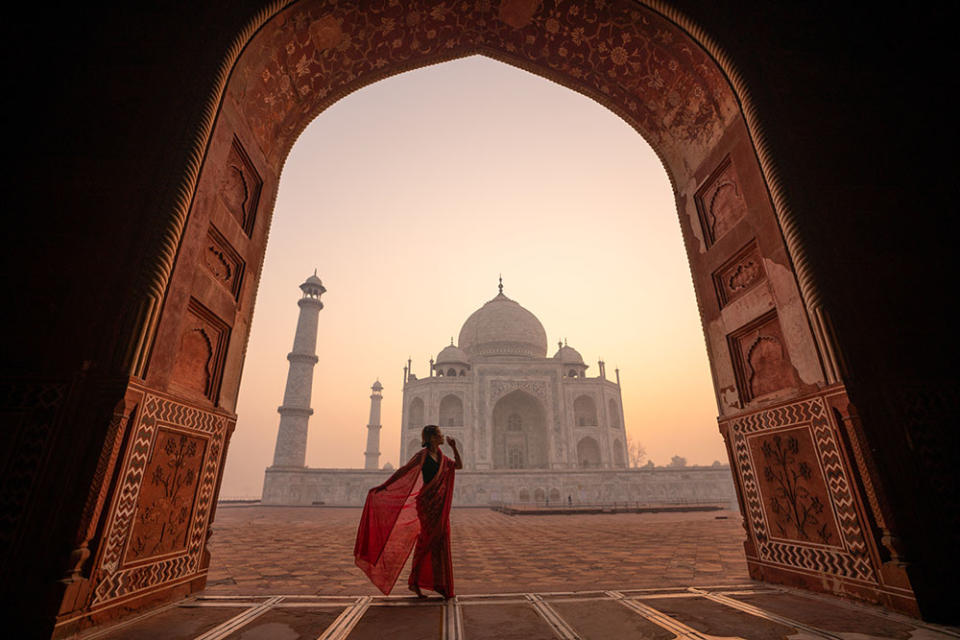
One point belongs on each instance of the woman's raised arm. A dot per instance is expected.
(457, 462)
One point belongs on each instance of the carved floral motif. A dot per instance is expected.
(745, 274)
(223, 262)
(794, 491)
(217, 263)
(739, 274)
(500, 388)
(167, 496)
(787, 484)
(155, 443)
(625, 55)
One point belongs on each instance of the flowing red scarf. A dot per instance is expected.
(404, 514)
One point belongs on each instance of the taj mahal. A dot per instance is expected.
(534, 428)
(511, 405)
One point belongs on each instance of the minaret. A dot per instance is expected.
(373, 428)
(291, 449)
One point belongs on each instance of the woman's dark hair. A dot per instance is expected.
(429, 430)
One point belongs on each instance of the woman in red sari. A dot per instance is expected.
(411, 510)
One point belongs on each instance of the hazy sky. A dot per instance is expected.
(410, 196)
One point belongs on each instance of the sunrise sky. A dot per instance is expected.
(410, 196)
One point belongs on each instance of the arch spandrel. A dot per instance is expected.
(625, 56)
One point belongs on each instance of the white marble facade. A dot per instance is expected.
(510, 404)
(644, 486)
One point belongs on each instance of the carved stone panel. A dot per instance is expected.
(791, 486)
(155, 531)
(798, 500)
(198, 367)
(739, 274)
(500, 388)
(627, 56)
(167, 495)
(720, 202)
(240, 185)
(223, 262)
(760, 359)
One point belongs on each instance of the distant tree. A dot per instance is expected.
(677, 461)
(649, 465)
(636, 451)
(717, 463)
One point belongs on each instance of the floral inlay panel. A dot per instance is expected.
(167, 496)
(799, 504)
(164, 431)
(792, 488)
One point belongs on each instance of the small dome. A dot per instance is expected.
(452, 354)
(313, 285)
(377, 386)
(503, 327)
(388, 467)
(568, 355)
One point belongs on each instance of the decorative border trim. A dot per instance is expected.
(498, 388)
(853, 560)
(115, 579)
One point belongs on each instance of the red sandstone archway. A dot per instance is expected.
(775, 371)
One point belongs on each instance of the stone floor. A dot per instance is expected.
(288, 574)
(253, 553)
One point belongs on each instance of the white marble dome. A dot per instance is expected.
(568, 355)
(452, 355)
(502, 327)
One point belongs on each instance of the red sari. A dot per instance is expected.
(405, 514)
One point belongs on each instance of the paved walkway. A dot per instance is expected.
(309, 551)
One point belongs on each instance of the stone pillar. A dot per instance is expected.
(373, 428)
(291, 449)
